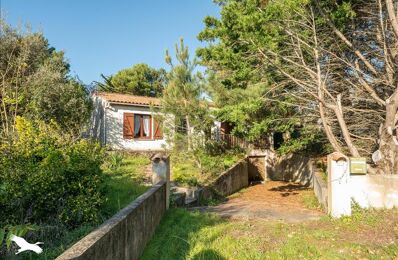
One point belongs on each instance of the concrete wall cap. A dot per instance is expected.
(337, 156)
(159, 156)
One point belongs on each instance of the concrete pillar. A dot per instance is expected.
(161, 172)
(339, 197)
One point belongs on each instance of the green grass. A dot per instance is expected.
(310, 200)
(191, 235)
(124, 184)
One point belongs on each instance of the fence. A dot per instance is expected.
(233, 141)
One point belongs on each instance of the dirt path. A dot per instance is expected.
(272, 200)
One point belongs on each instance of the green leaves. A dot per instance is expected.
(2, 235)
(18, 230)
(48, 176)
(36, 83)
(141, 80)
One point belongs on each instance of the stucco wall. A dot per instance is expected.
(114, 130)
(377, 191)
(257, 168)
(125, 235)
(292, 167)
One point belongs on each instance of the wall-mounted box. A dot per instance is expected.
(358, 165)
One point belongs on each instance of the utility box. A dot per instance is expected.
(358, 165)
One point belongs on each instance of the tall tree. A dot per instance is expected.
(140, 80)
(239, 81)
(35, 82)
(338, 62)
(183, 95)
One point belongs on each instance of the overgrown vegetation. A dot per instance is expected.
(317, 71)
(125, 180)
(47, 177)
(121, 184)
(192, 235)
(202, 168)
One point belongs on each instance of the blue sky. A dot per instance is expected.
(104, 36)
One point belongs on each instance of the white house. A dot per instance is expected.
(127, 122)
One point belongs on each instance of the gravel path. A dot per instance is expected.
(272, 200)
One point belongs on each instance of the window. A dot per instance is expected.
(137, 126)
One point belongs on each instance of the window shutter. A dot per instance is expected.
(158, 134)
(128, 125)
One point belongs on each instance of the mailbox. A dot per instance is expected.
(358, 165)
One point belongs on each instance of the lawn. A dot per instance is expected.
(124, 182)
(183, 234)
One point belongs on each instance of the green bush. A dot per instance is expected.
(47, 176)
(198, 167)
(114, 160)
(215, 147)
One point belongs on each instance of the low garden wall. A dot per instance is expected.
(376, 191)
(125, 235)
(320, 189)
(341, 188)
(229, 182)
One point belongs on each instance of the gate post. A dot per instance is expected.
(161, 172)
(339, 197)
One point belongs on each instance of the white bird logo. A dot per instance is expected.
(25, 246)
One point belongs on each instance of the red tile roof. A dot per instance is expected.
(128, 99)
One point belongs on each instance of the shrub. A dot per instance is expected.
(215, 147)
(114, 160)
(47, 176)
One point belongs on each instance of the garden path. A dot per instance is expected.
(272, 200)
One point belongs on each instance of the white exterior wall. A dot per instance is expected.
(114, 130)
(375, 191)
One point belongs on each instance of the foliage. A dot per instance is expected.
(183, 97)
(246, 91)
(18, 230)
(140, 80)
(114, 161)
(46, 176)
(198, 167)
(35, 83)
(123, 181)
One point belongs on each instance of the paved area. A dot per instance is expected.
(272, 200)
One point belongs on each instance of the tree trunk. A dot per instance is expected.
(389, 151)
(388, 146)
(189, 134)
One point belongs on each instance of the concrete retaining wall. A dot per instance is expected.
(320, 189)
(292, 167)
(229, 182)
(125, 235)
(376, 191)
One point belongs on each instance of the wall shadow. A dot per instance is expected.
(290, 189)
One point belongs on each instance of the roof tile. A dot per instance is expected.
(128, 99)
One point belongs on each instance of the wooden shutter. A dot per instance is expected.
(157, 133)
(128, 125)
